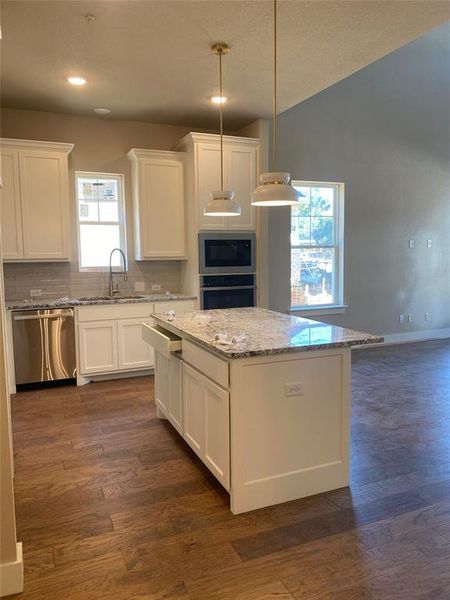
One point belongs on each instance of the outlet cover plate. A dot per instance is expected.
(293, 389)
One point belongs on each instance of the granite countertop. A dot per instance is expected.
(44, 303)
(243, 332)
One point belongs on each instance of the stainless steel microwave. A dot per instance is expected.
(227, 253)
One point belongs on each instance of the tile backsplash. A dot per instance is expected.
(57, 280)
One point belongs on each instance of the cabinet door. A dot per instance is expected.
(217, 431)
(11, 218)
(162, 382)
(193, 410)
(97, 346)
(44, 190)
(161, 201)
(208, 180)
(134, 353)
(175, 413)
(206, 422)
(242, 178)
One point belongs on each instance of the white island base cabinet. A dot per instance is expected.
(270, 428)
(289, 427)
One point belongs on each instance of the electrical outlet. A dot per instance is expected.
(35, 293)
(139, 286)
(427, 316)
(411, 243)
(401, 318)
(428, 243)
(410, 318)
(156, 287)
(293, 389)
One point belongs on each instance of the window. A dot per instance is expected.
(317, 245)
(101, 219)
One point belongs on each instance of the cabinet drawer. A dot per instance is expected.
(100, 312)
(178, 306)
(162, 341)
(207, 363)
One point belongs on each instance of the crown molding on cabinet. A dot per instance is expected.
(137, 153)
(16, 143)
(212, 138)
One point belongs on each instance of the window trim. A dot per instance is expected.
(338, 305)
(122, 217)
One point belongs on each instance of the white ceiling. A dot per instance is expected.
(150, 60)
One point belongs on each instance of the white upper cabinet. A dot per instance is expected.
(35, 201)
(158, 204)
(240, 162)
(11, 217)
(242, 179)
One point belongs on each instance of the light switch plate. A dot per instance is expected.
(156, 287)
(428, 243)
(139, 286)
(293, 389)
(411, 243)
(35, 293)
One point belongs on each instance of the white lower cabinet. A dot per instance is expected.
(133, 352)
(206, 422)
(162, 382)
(110, 338)
(168, 388)
(97, 346)
(175, 408)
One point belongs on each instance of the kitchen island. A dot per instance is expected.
(263, 398)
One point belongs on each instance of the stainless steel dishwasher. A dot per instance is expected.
(44, 346)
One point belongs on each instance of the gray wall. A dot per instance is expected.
(385, 132)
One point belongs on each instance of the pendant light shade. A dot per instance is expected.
(222, 203)
(275, 188)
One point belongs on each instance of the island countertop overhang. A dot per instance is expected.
(236, 333)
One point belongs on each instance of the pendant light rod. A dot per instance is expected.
(221, 119)
(275, 187)
(222, 203)
(220, 49)
(274, 98)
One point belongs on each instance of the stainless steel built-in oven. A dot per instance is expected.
(227, 253)
(227, 291)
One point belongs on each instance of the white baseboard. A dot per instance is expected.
(11, 575)
(411, 336)
(109, 376)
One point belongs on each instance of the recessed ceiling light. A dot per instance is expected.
(102, 111)
(76, 80)
(219, 99)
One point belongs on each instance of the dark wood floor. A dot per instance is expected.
(112, 504)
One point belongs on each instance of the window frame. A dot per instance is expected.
(338, 305)
(121, 212)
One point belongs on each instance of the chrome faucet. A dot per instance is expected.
(113, 287)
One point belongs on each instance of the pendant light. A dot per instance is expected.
(222, 202)
(275, 188)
